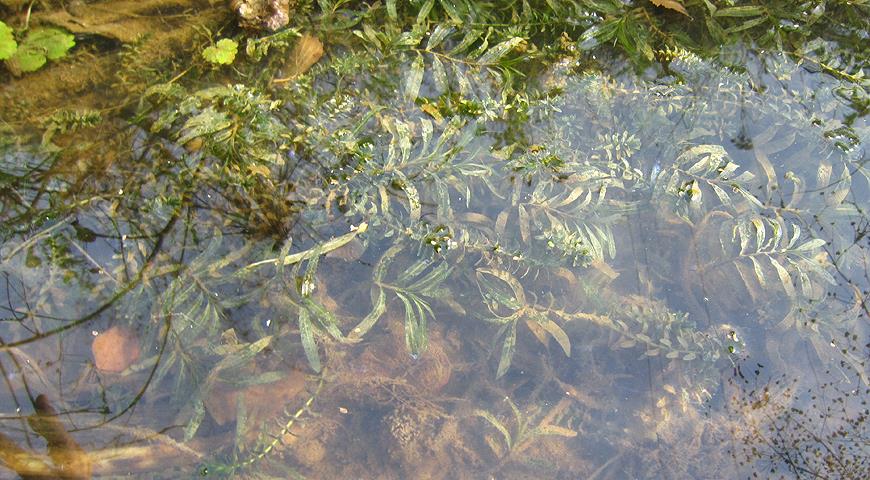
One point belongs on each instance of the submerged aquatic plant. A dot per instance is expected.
(465, 165)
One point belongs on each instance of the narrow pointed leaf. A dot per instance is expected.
(784, 277)
(414, 79)
(306, 332)
(558, 334)
(494, 54)
(507, 350)
(380, 306)
(441, 32)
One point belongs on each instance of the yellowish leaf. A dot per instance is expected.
(538, 331)
(557, 430)
(259, 170)
(433, 111)
(605, 269)
(558, 334)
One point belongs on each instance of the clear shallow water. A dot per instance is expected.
(634, 278)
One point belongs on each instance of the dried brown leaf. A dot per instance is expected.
(305, 54)
(675, 5)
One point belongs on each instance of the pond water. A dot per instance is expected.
(389, 242)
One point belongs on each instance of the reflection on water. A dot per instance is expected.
(629, 279)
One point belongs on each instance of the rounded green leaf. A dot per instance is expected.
(221, 53)
(7, 42)
(51, 42)
(27, 59)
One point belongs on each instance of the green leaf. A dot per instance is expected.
(796, 233)
(744, 11)
(784, 277)
(423, 14)
(507, 350)
(7, 42)
(326, 318)
(306, 332)
(558, 334)
(497, 424)
(439, 74)
(441, 32)
(760, 233)
(759, 272)
(496, 53)
(238, 355)
(53, 43)
(27, 59)
(415, 206)
(414, 79)
(556, 431)
(207, 122)
(508, 278)
(410, 39)
(221, 53)
(746, 25)
(195, 420)
(593, 36)
(714, 28)
(470, 37)
(644, 48)
(380, 306)
(430, 283)
(811, 245)
(241, 421)
(452, 12)
(416, 337)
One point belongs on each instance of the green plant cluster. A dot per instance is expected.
(445, 183)
(222, 53)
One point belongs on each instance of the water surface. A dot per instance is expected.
(605, 274)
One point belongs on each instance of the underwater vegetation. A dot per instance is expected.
(540, 239)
